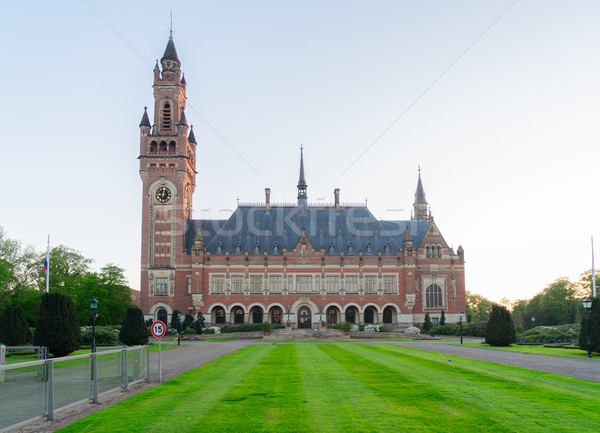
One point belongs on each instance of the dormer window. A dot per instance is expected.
(256, 247)
(369, 248)
(350, 247)
(275, 247)
(219, 247)
(331, 248)
(238, 248)
(386, 248)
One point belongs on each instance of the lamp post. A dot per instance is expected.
(532, 322)
(320, 312)
(94, 314)
(288, 311)
(587, 306)
(460, 318)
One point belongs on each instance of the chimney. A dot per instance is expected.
(336, 193)
(267, 201)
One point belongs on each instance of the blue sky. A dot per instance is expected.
(497, 101)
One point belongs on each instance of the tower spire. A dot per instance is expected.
(420, 204)
(302, 180)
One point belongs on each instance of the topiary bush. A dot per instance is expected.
(500, 330)
(133, 330)
(427, 324)
(550, 334)
(199, 323)
(188, 319)
(13, 327)
(57, 326)
(104, 335)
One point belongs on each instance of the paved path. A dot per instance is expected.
(195, 354)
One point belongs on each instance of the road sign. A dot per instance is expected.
(158, 329)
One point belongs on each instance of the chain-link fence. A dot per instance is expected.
(35, 389)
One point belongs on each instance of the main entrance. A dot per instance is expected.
(304, 315)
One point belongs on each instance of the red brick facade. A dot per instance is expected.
(274, 262)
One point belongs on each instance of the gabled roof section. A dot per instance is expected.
(351, 230)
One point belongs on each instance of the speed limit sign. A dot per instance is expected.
(159, 329)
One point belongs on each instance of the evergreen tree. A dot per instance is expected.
(443, 319)
(594, 327)
(57, 326)
(13, 327)
(427, 324)
(500, 329)
(133, 330)
(187, 321)
(175, 322)
(199, 323)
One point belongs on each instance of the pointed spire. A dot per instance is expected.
(170, 51)
(407, 236)
(182, 119)
(183, 79)
(302, 180)
(192, 137)
(420, 194)
(145, 120)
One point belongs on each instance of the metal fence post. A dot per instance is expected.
(2, 361)
(50, 367)
(95, 377)
(147, 363)
(125, 372)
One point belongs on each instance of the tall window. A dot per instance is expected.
(388, 315)
(237, 284)
(389, 284)
(166, 118)
(304, 283)
(333, 284)
(433, 296)
(275, 283)
(217, 283)
(256, 283)
(189, 286)
(369, 315)
(276, 315)
(351, 284)
(238, 315)
(371, 284)
(162, 286)
(219, 315)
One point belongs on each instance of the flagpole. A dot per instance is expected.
(593, 271)
(48, 266)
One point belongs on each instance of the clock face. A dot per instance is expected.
(163, 194)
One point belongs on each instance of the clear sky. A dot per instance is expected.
(498, 101)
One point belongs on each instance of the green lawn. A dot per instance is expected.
(316, 340)
(539, 350)
(353, 388)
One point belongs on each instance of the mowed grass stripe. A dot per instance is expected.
(269, 399)
(339, 401)
(177, 403)
(495, 397)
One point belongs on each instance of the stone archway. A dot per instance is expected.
(304, 318)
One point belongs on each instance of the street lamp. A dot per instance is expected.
(94, 314)
(587, 306)
(460, 318)
(288, 311)
(532, 322)
(320, 312)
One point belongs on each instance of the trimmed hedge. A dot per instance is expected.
(551, 334)
(245, 328)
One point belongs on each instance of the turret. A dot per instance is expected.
(420, 204)
(302, 196)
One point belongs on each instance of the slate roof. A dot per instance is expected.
(170, 51)
(353, 229)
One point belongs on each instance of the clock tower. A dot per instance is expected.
(168, 172)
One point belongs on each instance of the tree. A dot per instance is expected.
(133, 330)
(175, 320)
(500, 329)
(427, 324)
(478, 307)
(57, 326)
(199, 323)
(13, 327)
(594, 327)
(558, 303)
(188, 319)
(443, 319)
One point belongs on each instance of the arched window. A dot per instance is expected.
(332, 315)
(433, 296)
(166, 117)
(439, 252)
(219, 315)
(238, 247)
(388, 315)
(369, 248)
(370, 315)
(161, 315)
(276, 315)
(350, 248)
(350, 315)
(257, 315)
(238, 315)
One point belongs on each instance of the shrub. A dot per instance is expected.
(209, 331)
(427, 324)
(443, 319)
(175, 322)
(500, 330)
(57, 326)
(252, 327)
(104, 334)
(134, 331)
(188, 319)
(189, 331)
(550, 334)
(13, 327)
(412, 330)
(199, 323)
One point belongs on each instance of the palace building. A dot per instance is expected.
(276, 263)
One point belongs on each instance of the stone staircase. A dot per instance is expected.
(305, 334)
